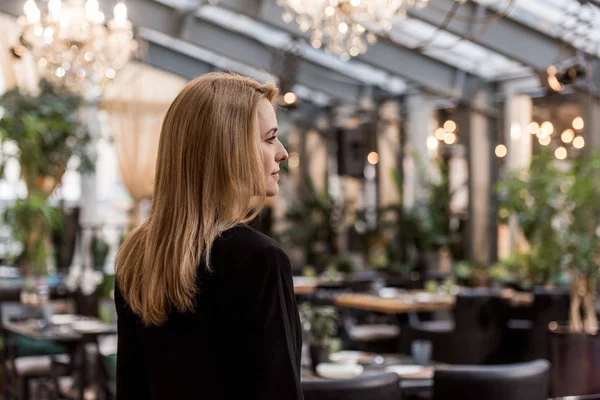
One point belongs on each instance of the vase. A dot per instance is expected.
(319, 354)
(575, 360)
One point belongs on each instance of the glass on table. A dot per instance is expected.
(421, 352)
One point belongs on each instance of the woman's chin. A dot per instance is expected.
(272, 191)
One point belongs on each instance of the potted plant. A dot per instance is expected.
(536, 197)
(574, 346)
(45, 133)
(320, 325)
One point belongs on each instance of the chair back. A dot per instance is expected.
(371, 387)
(480, 312)
(526, 381)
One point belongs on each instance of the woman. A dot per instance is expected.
(205, 303)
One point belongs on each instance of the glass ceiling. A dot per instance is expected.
(567, 19)
(578, 24)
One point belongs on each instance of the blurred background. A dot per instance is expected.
(439, 205)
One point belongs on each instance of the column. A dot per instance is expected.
(475, 129)
(421, 123)
(590, 111)
(388, 147)
(518, 114)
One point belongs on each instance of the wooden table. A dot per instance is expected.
(394, 305)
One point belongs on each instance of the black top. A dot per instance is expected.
(243, 341)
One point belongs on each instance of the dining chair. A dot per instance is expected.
(370, 387)
(525, 381)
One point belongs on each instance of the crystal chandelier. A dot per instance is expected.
(346, 27)
(72, 44)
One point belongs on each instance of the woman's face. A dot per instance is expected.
(272, 150)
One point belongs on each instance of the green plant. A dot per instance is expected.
(426, 226)
(537, 198)
(582, 191)
(46, 132)
(558, 210)
(100, 249)
(471, 274)
(31, 221)
(314, 223)
(319, 322)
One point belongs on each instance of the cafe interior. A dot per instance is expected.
(439, 204)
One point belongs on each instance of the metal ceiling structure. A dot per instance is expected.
(446, 49)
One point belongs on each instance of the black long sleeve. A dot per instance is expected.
(243, 341)
(273, 354)
(132, 380)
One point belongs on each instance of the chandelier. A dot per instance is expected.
(72, 44)
(346, 27)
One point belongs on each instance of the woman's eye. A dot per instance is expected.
(271, 140)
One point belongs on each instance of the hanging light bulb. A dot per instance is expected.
(501, 151)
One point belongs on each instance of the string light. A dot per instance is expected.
(534, 128)
(501, 151)
(547, 127)
(579, 142)
(373, 158)
(450, 126)
(560, 153)
(440, 133)
(578, 124)
(567, 136)
(450, 138)
(432, 143)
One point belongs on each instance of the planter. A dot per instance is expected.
(575, 360)
(319, 354)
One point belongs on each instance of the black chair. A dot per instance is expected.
(527, 381)
(526, 339)
(373, 387)
(474, 336)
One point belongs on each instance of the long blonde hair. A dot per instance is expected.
(209, 178)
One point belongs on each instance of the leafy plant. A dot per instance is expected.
(46, 131)
(424, 227)
(537, 198)
(558, 210)
(314, 224)
(582, 191)
(319, 322)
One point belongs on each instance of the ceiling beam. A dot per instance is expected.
(431, 75)
(170, 60)
(210, 36)
(168, 20)
(504, 35)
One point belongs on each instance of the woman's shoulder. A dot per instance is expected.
(245, 242)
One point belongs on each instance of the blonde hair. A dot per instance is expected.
(209, 178)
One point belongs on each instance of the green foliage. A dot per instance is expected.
(31, 221)
(105, 289)
(319, 322)
(313, 225)
(100, 249)
(47, 132)
(46, 129)
(471, 274)
(537, 198)
(425, 227)
(583, 207)
(557, 208)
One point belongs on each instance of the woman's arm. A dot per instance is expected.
(132, 378)
(273, 346)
